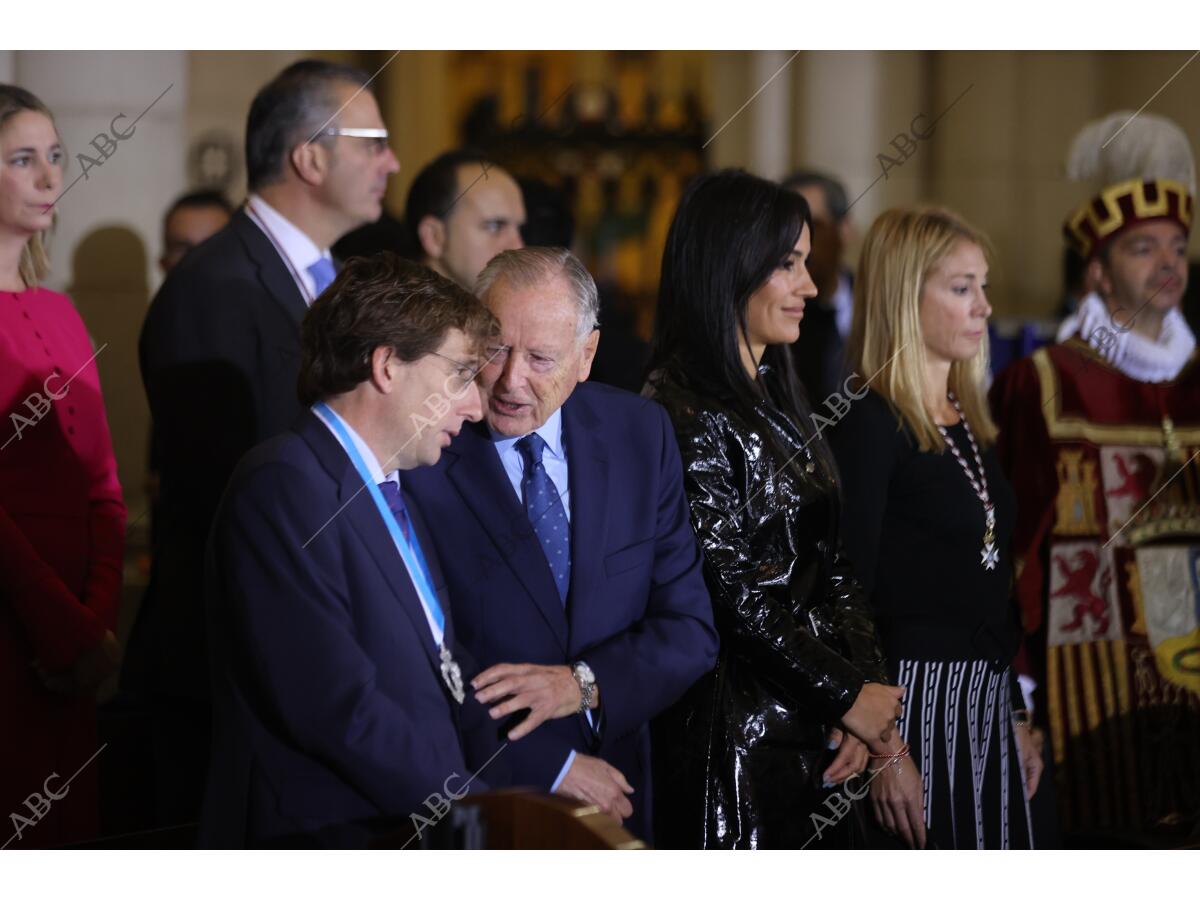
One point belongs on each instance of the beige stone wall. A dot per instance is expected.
(221, 85)
(414, 96)
(1000, 161)
(851, 106)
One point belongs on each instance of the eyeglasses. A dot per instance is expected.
(462, 377)
(377, 136)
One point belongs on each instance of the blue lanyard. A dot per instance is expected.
(410, 550)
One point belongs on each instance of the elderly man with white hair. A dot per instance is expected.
(572, 568)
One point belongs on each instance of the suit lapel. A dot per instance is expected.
(273, 272)
(587, 461)
(475, 470)
(356, 505)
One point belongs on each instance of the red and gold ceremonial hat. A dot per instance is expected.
(1123, 205)
(1145, 165)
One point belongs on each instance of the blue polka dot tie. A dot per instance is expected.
(323, 274)
(546, 513)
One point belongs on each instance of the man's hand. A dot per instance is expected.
(548, 692)
(851, 757)
(592, 780)
(874, 714)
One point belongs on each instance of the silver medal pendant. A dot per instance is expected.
(452, 675)
(989, 556)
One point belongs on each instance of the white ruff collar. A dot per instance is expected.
(1136, 356)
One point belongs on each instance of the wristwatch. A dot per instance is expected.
(586, 680)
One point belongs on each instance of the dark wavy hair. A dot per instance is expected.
(730, 233)
(382, 301)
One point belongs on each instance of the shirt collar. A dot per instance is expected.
(298, 246)
(550, 432)
(364, 451)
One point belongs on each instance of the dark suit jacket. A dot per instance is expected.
(328, 703)
(220, 355)
(637, 612)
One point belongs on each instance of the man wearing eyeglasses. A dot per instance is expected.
(220, 355)
(576, 581)
(340, 685)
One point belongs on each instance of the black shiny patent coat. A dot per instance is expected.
(738, 762)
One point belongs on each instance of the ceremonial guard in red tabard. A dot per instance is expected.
(1100, 436)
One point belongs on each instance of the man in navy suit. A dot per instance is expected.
(338, 687)
(220, 352)
(577, 582)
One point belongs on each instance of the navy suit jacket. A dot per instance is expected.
(328, 703)
(637, 611)
(220, 355)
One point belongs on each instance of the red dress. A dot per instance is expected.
(62, 532)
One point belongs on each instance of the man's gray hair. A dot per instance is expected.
(531, 266)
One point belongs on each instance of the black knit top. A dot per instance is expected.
(913, 528)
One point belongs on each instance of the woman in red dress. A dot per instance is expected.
(62, 518)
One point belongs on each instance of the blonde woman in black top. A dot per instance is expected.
(928, 518)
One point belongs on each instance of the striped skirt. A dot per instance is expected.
(958, 721)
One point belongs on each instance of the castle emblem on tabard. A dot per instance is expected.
(1075, 507)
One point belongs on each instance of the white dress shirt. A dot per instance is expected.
(297, 248)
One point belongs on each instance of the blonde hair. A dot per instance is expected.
(901, 249)
(34, 264)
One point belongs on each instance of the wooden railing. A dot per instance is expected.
(520, 820)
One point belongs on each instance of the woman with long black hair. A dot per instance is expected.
(799, 696)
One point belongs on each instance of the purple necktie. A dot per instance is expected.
(391, 493)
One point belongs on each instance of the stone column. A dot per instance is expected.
(769, 115)
(851, 105)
